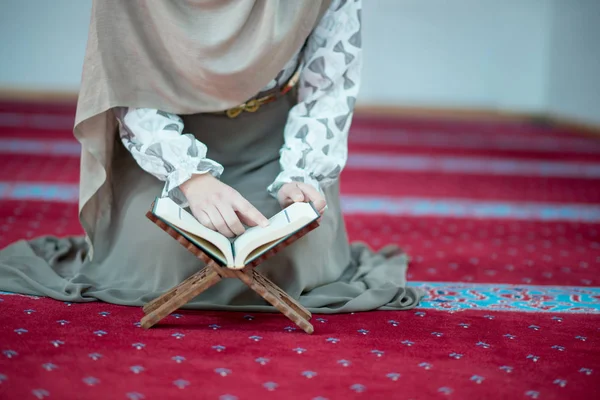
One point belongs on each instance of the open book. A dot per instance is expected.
(245, 248)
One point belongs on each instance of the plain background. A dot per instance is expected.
(518, 55)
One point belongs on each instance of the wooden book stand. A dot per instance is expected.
(213, 272)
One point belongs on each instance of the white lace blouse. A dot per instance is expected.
(316, 132)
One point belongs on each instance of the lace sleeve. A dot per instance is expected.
(316, 133)
(156, 142)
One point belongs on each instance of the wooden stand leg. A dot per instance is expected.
(278, 292)
(160, 300)
(182, 296)
(259, 286)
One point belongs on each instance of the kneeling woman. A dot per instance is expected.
(234, 109)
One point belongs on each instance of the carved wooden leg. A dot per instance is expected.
(260, 287)
(162, 299)
(278, 292)
(182, 296)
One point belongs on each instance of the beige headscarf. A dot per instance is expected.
(184, 57)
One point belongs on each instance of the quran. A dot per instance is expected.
(249, 246)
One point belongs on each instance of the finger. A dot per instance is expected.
(251, 221)
(231, 219)
(285, 201)
(317, 198)
(292, 194)
(249, 214)
(205, 220)
(218, 221)
(291, 191)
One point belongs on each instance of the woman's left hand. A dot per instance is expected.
(295, 192)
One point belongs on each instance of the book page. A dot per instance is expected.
(260, 250)
(210, 249)
(167, 210)
(281, 224)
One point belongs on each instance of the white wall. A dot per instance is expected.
(42, 43)
(472, 53)
(524, 55)
(574, 75)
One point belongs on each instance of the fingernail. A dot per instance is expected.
(265, 223)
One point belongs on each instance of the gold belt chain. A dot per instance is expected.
(254, 104)
(250, 106)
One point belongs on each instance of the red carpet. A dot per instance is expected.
(508, 250)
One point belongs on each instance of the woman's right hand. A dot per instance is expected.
(220, 207)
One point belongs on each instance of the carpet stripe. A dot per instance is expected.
(460, 208)
(373, 161)
(432, 185)
(38, 121)
(393, 136)
(443, 140)
(463, 208)
(39, 191)
(44, 147)
(456, 296)
(473, 165)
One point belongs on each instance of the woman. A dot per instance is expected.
(239, 108)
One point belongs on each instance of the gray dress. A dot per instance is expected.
(136, 261)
